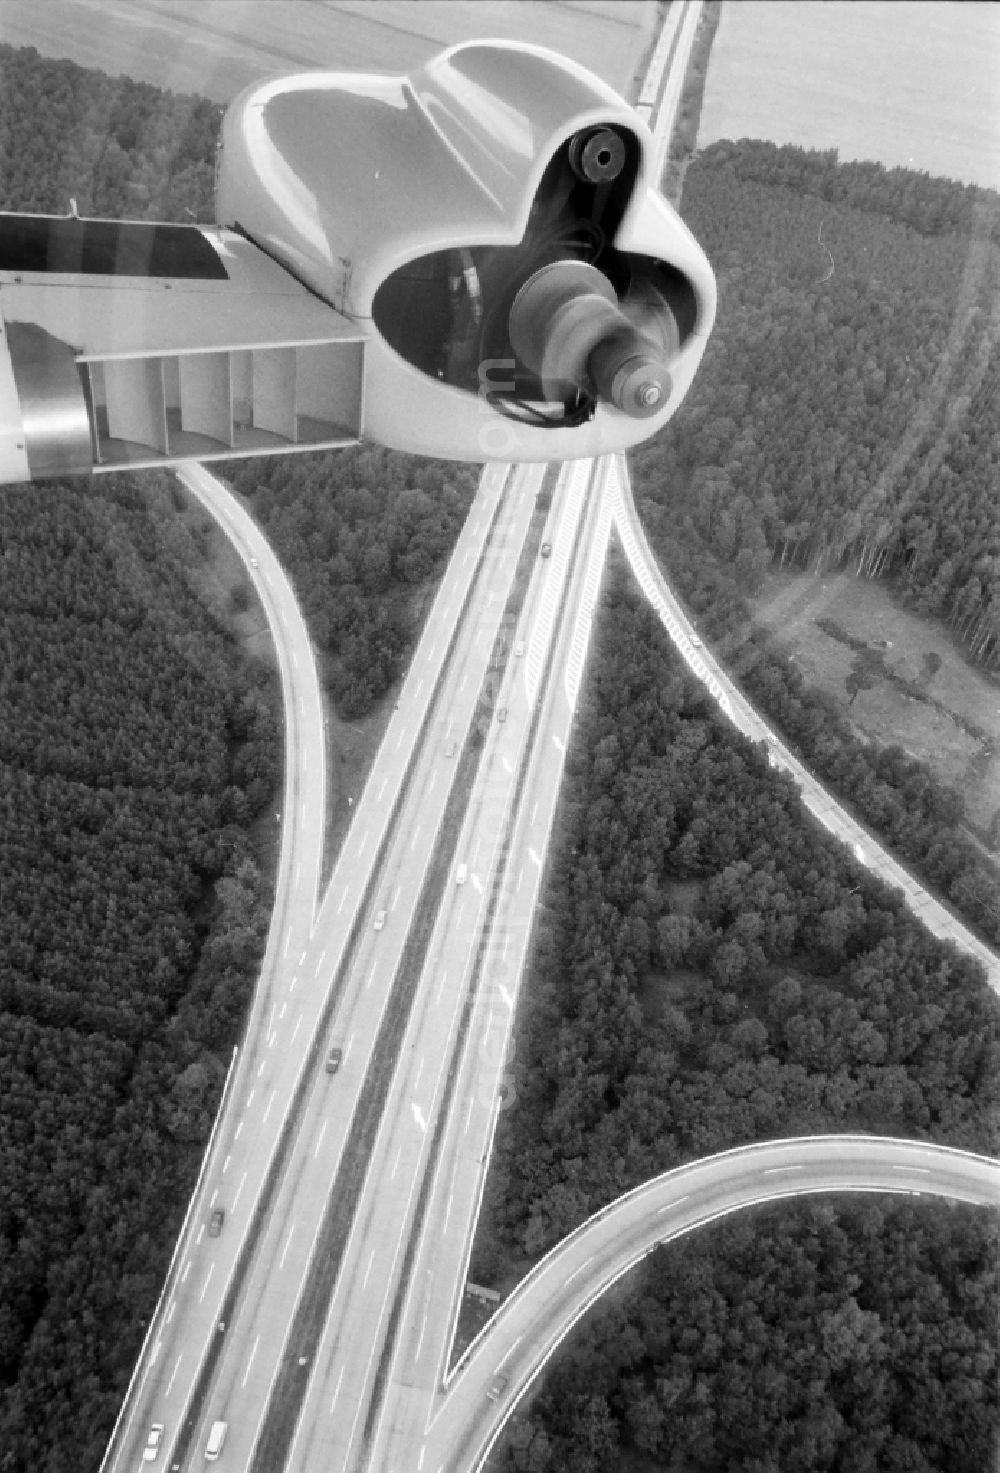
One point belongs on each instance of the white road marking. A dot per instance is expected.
(418, 1114)
(468, 1116)
(381, 790)
(535, 857)
(320, 1140)
(246, 1373)
(336, 1389)
(392, 904)
(239, 1190)
(170, 1312)
(534, 812)
(508, 999)
(173, 1374)
(559, 744)
(341, 905)
(771, 1170)
(477, 883)
(288, 942)
(295, 1030)
(211, 1270)
(395, 1164)
(570, 1277)
(302, 959)
(671, 1205)
(284, 1251)
(420, 1337)
(371, 1260)
(364, 841)
(187, 1266)
(520, 877)
(416, 836)
(284, 1010)
(236, 1133)
(433, 782)
(323, 956)
(213, 1197)
(508, 765)
(270, 1102)
(225, 1164)
(447, 1214)
(420, 686)
(291, 986)
(263, 1066)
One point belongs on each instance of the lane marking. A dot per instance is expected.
(208, 1276)
(284, 1251)
(319, 1142)
(246, 1374)
(239, 1190)
(274, 1095)
(177, 1366)
(336, 1389)
(371, 1260)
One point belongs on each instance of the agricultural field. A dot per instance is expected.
(217, 47)
(900, 676)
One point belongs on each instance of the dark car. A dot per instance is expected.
(215, 1222)
(333, 1059)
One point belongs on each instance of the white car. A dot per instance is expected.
(380, 920)
(151, 1451)
(461, 874)
(519, 649)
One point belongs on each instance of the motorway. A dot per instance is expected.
(319, 1323)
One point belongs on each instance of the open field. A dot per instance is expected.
(924, 695)
(217, 47)
(914, 84)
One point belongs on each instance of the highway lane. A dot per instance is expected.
(185, 1324)
(256, 1339)
(331, 1422)
(532, 1322)
(429, 1316)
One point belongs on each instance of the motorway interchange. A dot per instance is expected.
(316, 1323)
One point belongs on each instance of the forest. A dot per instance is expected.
(712, 968)
(846, 412)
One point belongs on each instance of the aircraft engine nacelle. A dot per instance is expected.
(470, 262)
(490, 222)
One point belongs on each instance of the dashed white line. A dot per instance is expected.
(173, 1374)
(187, 1267)
(239, 1190)
(284, 1251)
(395, 1164)
(208, 1276)
(170, 1312)
(246, 1374)
(336, 1389)
(225, 1164)
(295, 1030)
(371, 1260)
(270, 1103)
(319, 1141)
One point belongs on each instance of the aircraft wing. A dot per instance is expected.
(140, 344)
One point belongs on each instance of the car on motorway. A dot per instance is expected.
(497, 1387)
(215, 1222)
(333, 1059)
(546, 549)
(379, 920)
(449, 750)
(502, 714)
(519, 649)
(152, 1448)
(461, 874)
(216, 1441)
